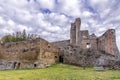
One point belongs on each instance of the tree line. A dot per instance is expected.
(18, 36)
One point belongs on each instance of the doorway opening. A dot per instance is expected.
(18, 66)
(61, 59)
(14, 65)
(35, 65)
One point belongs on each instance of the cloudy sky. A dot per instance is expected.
(51, 18)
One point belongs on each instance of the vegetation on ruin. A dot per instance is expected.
(60, 72)
(18, 36)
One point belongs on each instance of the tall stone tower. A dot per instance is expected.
(74, 32)
(77, 24)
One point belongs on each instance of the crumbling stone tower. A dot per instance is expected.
(74, 32)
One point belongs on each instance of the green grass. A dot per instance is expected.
(60, 72)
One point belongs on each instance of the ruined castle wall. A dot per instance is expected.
(93, 42)
(84, 33)
(82, 57)
(27, 54)
(15, 54)
(90, 49)
(48, 53)
(86, 57)
(107, 42)
(84, 39)
(62, 44)
(84, 43)
(88, 41)
(13, 51)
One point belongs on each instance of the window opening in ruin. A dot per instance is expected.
(55, 56)
(84, 36)
(35, 65)
(61, 59)
(88, 45)
(112, 32)
(48, 46)
(74, 49)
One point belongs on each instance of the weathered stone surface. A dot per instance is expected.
(74, 32)
(99, 68)
(84, 49)
(36, 53)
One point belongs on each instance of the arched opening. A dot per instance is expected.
(18, 65)
(35, 65)
(14, 65)
(61, 59)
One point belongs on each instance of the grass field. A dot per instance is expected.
(60, 72)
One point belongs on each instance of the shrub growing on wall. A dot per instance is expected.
(18, 36)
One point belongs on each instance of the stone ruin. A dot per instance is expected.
(81, 49)
(84, 49)
(37, 53)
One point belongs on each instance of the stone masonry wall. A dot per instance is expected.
(27, 54)
(48, 53)
(74, 32)
(107, 42)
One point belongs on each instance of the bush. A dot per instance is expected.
(18, 36)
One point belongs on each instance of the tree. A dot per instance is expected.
(24, 35)
(18, 36)
(7, 38)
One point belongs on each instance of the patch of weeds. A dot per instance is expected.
(115, 78)
(21, 78)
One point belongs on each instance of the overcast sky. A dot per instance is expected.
(51, 18)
